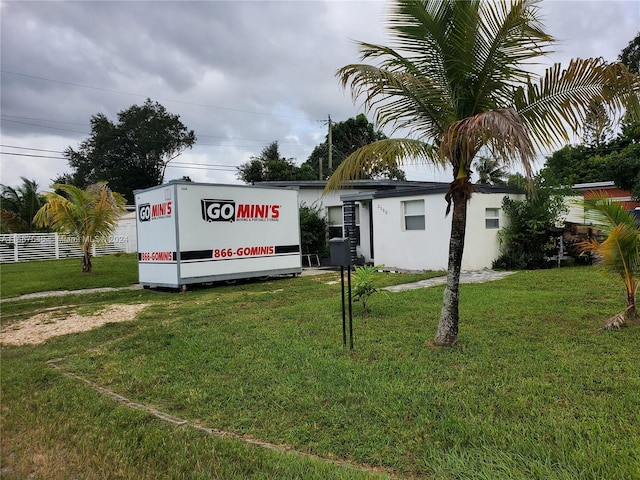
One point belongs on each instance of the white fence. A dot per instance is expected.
(25, 247)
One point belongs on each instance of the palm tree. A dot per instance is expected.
(619, 253)
(457, 80)
(89, 215)
(18, 206)
(490, 172)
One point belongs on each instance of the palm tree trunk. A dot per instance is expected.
(86, 260)
(447, 333)
(631, 312)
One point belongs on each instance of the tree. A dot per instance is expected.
(90, 215)
(624, 169)
(457, 79)
(132, 153)
(313, 229)
(490, 172)
(598, 127)
(524, 241)
(18, 206)
(346, 138)
(271, 166)
(619, 253)
(630, 55)
(576, 164)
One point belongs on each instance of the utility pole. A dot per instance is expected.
(330, 145)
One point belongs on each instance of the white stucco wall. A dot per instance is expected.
(428, 249)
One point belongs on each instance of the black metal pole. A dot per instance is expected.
(344, 323)
(350, 313)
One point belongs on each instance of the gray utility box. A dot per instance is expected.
(197, 233)
(340, 251)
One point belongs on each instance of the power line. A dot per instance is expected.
(28, 148)
(31, 155)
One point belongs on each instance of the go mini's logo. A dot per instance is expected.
(148, 211)
(218, 210)
(227, 211)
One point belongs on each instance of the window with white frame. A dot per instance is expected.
(335, 220)
(492, 218)
(413, 215)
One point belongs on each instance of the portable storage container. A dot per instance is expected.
(197, 233)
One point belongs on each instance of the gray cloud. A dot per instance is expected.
(241, 74)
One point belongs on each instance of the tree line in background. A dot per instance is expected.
(346, 138)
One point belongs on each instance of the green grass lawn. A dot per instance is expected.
(532, 391)
(119, 270)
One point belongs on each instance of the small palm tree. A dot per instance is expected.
(458, 79)
(89, 215)
(619, 253)
(18, 206)
(490, 172)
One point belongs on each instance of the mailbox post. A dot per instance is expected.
(341, 255)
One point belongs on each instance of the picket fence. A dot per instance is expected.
(26, 247)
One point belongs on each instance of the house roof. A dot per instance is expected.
(353, 184)
(425, 189)
(593, 186)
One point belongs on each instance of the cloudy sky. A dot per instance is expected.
(240, 73)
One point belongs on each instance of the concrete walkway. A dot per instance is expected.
(477, 276)
(62, 293)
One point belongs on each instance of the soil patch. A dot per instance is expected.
(43, 326)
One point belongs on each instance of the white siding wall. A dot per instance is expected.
(428, 249)
(395, 247)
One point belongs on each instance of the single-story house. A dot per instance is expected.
(402, 225)
(608, 189)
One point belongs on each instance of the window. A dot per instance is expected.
(413, 211)
(492, 218)
(335, 219)
(336, 222)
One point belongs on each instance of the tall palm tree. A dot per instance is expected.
(89, 215)
(457, 79)
(619, 252)
(18, 206)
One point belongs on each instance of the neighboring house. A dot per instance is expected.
(585, 191)
(402, 225)
(594, 189)
(125, 235)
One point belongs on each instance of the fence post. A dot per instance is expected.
(15, 247)
(57, 244)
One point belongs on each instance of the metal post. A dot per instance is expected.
(350, 312)
(344, 322)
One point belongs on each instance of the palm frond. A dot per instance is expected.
(501, 130)
(383, 154)
(87, 214)
(401, 99)
(509, 38)
(562, 98)
(620, 251)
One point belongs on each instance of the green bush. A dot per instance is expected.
(313, 229)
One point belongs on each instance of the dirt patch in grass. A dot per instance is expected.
(43, 326)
